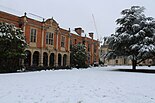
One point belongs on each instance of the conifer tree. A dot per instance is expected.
(134, 37)
(12, 46)
(78, 55)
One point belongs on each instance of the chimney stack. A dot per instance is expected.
(91, 35)
(79, 31)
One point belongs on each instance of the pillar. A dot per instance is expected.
(48, 64)
(31, 59)
(68, 59)
(56, 54)
(41, 58)
(62, 60)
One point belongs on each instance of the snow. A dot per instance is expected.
(141, 32)
(1, 34)
(144, 48)
(135, 26)
(93, 85)
(134, 46)
(147, 48)
(152, 47)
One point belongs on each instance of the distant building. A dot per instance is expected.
(119, 60)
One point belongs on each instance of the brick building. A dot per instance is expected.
(49, 44)
(92, 46)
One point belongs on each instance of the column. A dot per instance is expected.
(31, 59)
(56, 54)
(62, 60)
(68, 59)
(48, 64)
(41, 58)
(42, 45)
(68, 56)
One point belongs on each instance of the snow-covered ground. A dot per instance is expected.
(93, 85)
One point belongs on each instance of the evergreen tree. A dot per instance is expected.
(135, 36)
(78, 55)
(12, 46)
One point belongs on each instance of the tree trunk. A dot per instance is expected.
(134, 64)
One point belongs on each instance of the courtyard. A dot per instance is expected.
(92, 85)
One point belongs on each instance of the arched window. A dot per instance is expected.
(59, 59)
(36, 58)
(27, 60)
(65, 60)
(45, 59)
(52, 59)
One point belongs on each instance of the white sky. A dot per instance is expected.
(78, 13)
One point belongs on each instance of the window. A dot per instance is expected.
(33, 35)
(74, 41)
(83, 42)
(89, 47)
(95, 48)
(70, 42)
(62, 41)
(88, 58)
(116, 61)
(49, 38)
(95, 58)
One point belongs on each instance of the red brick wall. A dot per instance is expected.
(87, 40)
(9, 18)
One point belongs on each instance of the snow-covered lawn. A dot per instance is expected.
(93, 85)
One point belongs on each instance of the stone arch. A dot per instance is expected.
(59, 59)
(27, 60)
(52, 59)
(45, 59)
(36, 58)
(64, 60)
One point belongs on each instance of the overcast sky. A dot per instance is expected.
(78, 13)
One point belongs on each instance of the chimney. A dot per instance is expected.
(25, 14)
(79, 31)
(91, 35)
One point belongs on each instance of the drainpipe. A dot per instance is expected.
(42, 43)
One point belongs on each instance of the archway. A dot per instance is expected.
(45, 59)
(36, 58)
(65, 60)
(27, 60)
(52, 59)
(59, 59)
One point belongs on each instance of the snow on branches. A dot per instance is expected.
(135, 34)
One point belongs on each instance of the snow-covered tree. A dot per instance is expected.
(135, 36)
(78, 55)
(12, 46)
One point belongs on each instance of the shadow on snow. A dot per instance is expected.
(136, 71)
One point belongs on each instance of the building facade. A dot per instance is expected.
(119, 60)
(92, 46)
(48, 43)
